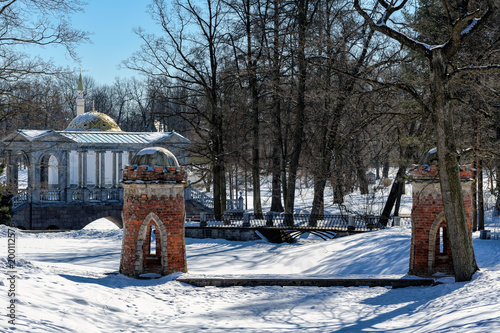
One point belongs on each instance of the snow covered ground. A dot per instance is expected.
(62, 286)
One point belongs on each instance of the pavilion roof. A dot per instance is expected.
(97, 137)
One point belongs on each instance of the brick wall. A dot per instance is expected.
(157, 173)
(159, 204)
(430, 248)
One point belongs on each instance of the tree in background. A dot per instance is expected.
(32, 23)
(5, 202)
(463, 19)
(189, 54)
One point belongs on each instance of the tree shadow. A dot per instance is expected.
(119, 281)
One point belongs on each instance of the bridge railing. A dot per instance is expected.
(25, 196)
(294, 221)
(20, 198)
(113, 194)
(208, 202)
(95, 195)
(76, 195)
(199, 197)
(50, 195)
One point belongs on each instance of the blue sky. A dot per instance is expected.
(111, 22)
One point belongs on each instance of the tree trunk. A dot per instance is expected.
(298, 133)
(254, 107)
(216, 171)
(218, 168)
(480, 196)
(278, 158)
(337, 183)
(360, 170)
(479, 177)
(474, 195)
(394, 195)
(385, 169)
(276, 205)
(464, 262)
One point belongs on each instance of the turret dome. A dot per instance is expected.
(93, 121)
(155, 156)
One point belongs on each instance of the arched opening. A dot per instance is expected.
(439, 259)
(53, 170)
(441, 240)
(16, 172)
(152, 240)
(152, 234)
(152, 250)
(49, 172)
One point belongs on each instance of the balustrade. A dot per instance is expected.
(95, 195)
(295, 221)
(76, 195)
(50, 195)
(207, 201)
(20, 198)
(113, 194)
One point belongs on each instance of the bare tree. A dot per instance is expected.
(250, 32)
(29, 24)
(35, 23)
(189, 54)
(463, 20)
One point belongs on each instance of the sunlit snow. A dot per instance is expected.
(64, 285)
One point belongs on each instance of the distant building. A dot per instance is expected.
(81, 164)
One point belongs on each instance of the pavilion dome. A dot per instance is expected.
(155, 156)
(93, 121)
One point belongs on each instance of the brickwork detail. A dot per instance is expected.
(156, 173)
(430, 248)
(153, 202)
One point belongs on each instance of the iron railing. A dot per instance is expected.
(208, 202)
(19, 199)
(298, 221)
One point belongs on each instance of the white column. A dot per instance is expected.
(103, 168)
(120, 165)
(84, 169)
(114, 169)
(80, 169)
(97, 168)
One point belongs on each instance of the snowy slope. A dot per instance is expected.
(62, 287)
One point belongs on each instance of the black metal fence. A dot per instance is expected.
(300, 221)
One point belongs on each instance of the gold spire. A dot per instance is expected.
(80, 82)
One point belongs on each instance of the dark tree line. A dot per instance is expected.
(329, 75)
(272, 86)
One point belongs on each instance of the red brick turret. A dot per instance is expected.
(153, 216)
(430, 251)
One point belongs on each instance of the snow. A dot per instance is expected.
(69, 282)
(471, 26)
(34, 134)
(64, 285)
(155, 136)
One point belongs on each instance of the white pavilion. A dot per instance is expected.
(83, 163)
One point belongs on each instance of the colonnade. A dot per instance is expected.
(65, 185)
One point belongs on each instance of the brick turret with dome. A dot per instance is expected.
(153, 214)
